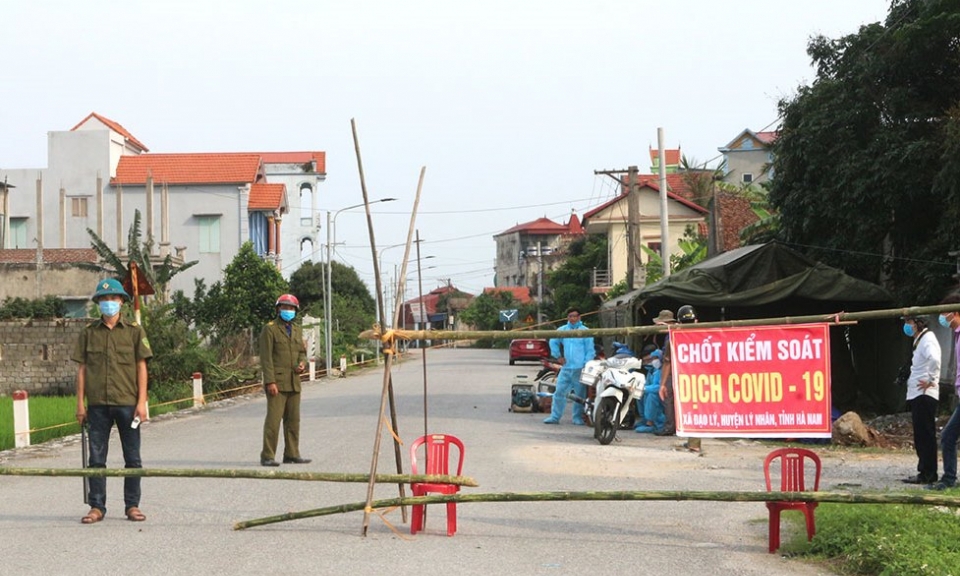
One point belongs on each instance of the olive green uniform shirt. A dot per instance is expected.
(110, 359)
(281, 353)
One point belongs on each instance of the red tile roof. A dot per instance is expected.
(519, 293)
(547, 227)
(50, 255)
(430, 302)
(116, 127)
(653, 182)
(296, 158)
(266, 196)
(195, 168)
(672, 156)
(768, 137)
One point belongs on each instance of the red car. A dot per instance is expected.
(532, 349)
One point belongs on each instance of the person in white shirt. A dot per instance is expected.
(923, 394)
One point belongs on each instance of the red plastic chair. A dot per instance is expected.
(792, 470)
(437, 452)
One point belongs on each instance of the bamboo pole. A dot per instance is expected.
(921, 498)
(387, 393)
(240, 474)
(838, 318)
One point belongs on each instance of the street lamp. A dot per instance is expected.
(328, 299)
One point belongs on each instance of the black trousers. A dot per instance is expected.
(923, 409)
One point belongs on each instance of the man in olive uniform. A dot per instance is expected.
(112, 377)
(283, 357)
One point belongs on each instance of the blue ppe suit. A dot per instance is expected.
(576, 352)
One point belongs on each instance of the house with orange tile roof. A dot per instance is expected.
(610, 219)
(526, 252)
(747, 158)
(194, 206)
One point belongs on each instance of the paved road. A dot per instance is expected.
(189, 526)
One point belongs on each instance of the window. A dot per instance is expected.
(209, 233)
(746, 178)
(18, 233)
(78, 207)
(655, 246)
(306, 205)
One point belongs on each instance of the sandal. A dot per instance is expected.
(135, 515)
(92, 517)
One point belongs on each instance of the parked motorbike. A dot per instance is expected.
(617, 382)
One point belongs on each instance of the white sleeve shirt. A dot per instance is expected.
(925, 367)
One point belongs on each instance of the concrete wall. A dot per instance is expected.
(35, 356)
(66, 281)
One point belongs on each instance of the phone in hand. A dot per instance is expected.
(136, 422)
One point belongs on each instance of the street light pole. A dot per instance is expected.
(328, 298)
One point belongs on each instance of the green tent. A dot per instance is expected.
(772, 281)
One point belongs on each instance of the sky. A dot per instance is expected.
(509, 105)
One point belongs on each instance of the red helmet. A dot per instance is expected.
(288, 300)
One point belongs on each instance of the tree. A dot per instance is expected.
(693, 249)
(483, 313)
(570, 282)
(866, 164)
(158, 275)
(244, 301)
(700, 179)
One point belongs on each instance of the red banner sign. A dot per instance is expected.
(760, 381)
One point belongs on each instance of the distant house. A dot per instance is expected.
(526, 252)
(610, 219)
(748, 158)
(427, 313)
(193, 206)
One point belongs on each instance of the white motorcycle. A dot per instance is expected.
(619, 382)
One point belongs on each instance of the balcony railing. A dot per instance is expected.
(600, 280)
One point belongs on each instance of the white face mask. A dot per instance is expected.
(655, 363)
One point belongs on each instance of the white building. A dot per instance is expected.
(194, 206)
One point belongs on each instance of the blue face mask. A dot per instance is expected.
(908, 330)
(109, 307)
(943, 321)
(287, 315)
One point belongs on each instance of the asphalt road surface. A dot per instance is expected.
(189, 527)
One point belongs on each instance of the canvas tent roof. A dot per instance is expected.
(758, 275)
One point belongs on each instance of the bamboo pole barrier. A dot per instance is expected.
(921, 498)
(240, 474)
(838, 318)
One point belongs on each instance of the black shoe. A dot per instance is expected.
(918, 479)
(665, 432)
(265, 462)
(297, 460)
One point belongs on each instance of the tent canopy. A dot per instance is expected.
(762, 274)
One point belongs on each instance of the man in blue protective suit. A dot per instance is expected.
(571, 353)
(650, 406)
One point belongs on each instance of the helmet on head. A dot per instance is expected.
(686, 314)
(288, 300)
(110, 287)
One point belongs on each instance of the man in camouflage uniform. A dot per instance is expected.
(112, 378)
(283, 358)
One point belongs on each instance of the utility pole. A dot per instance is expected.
(664, 217)
(633, 226)
(632, 186)
(539, 280)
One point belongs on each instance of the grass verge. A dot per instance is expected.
(881, 539)
(55, 416)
